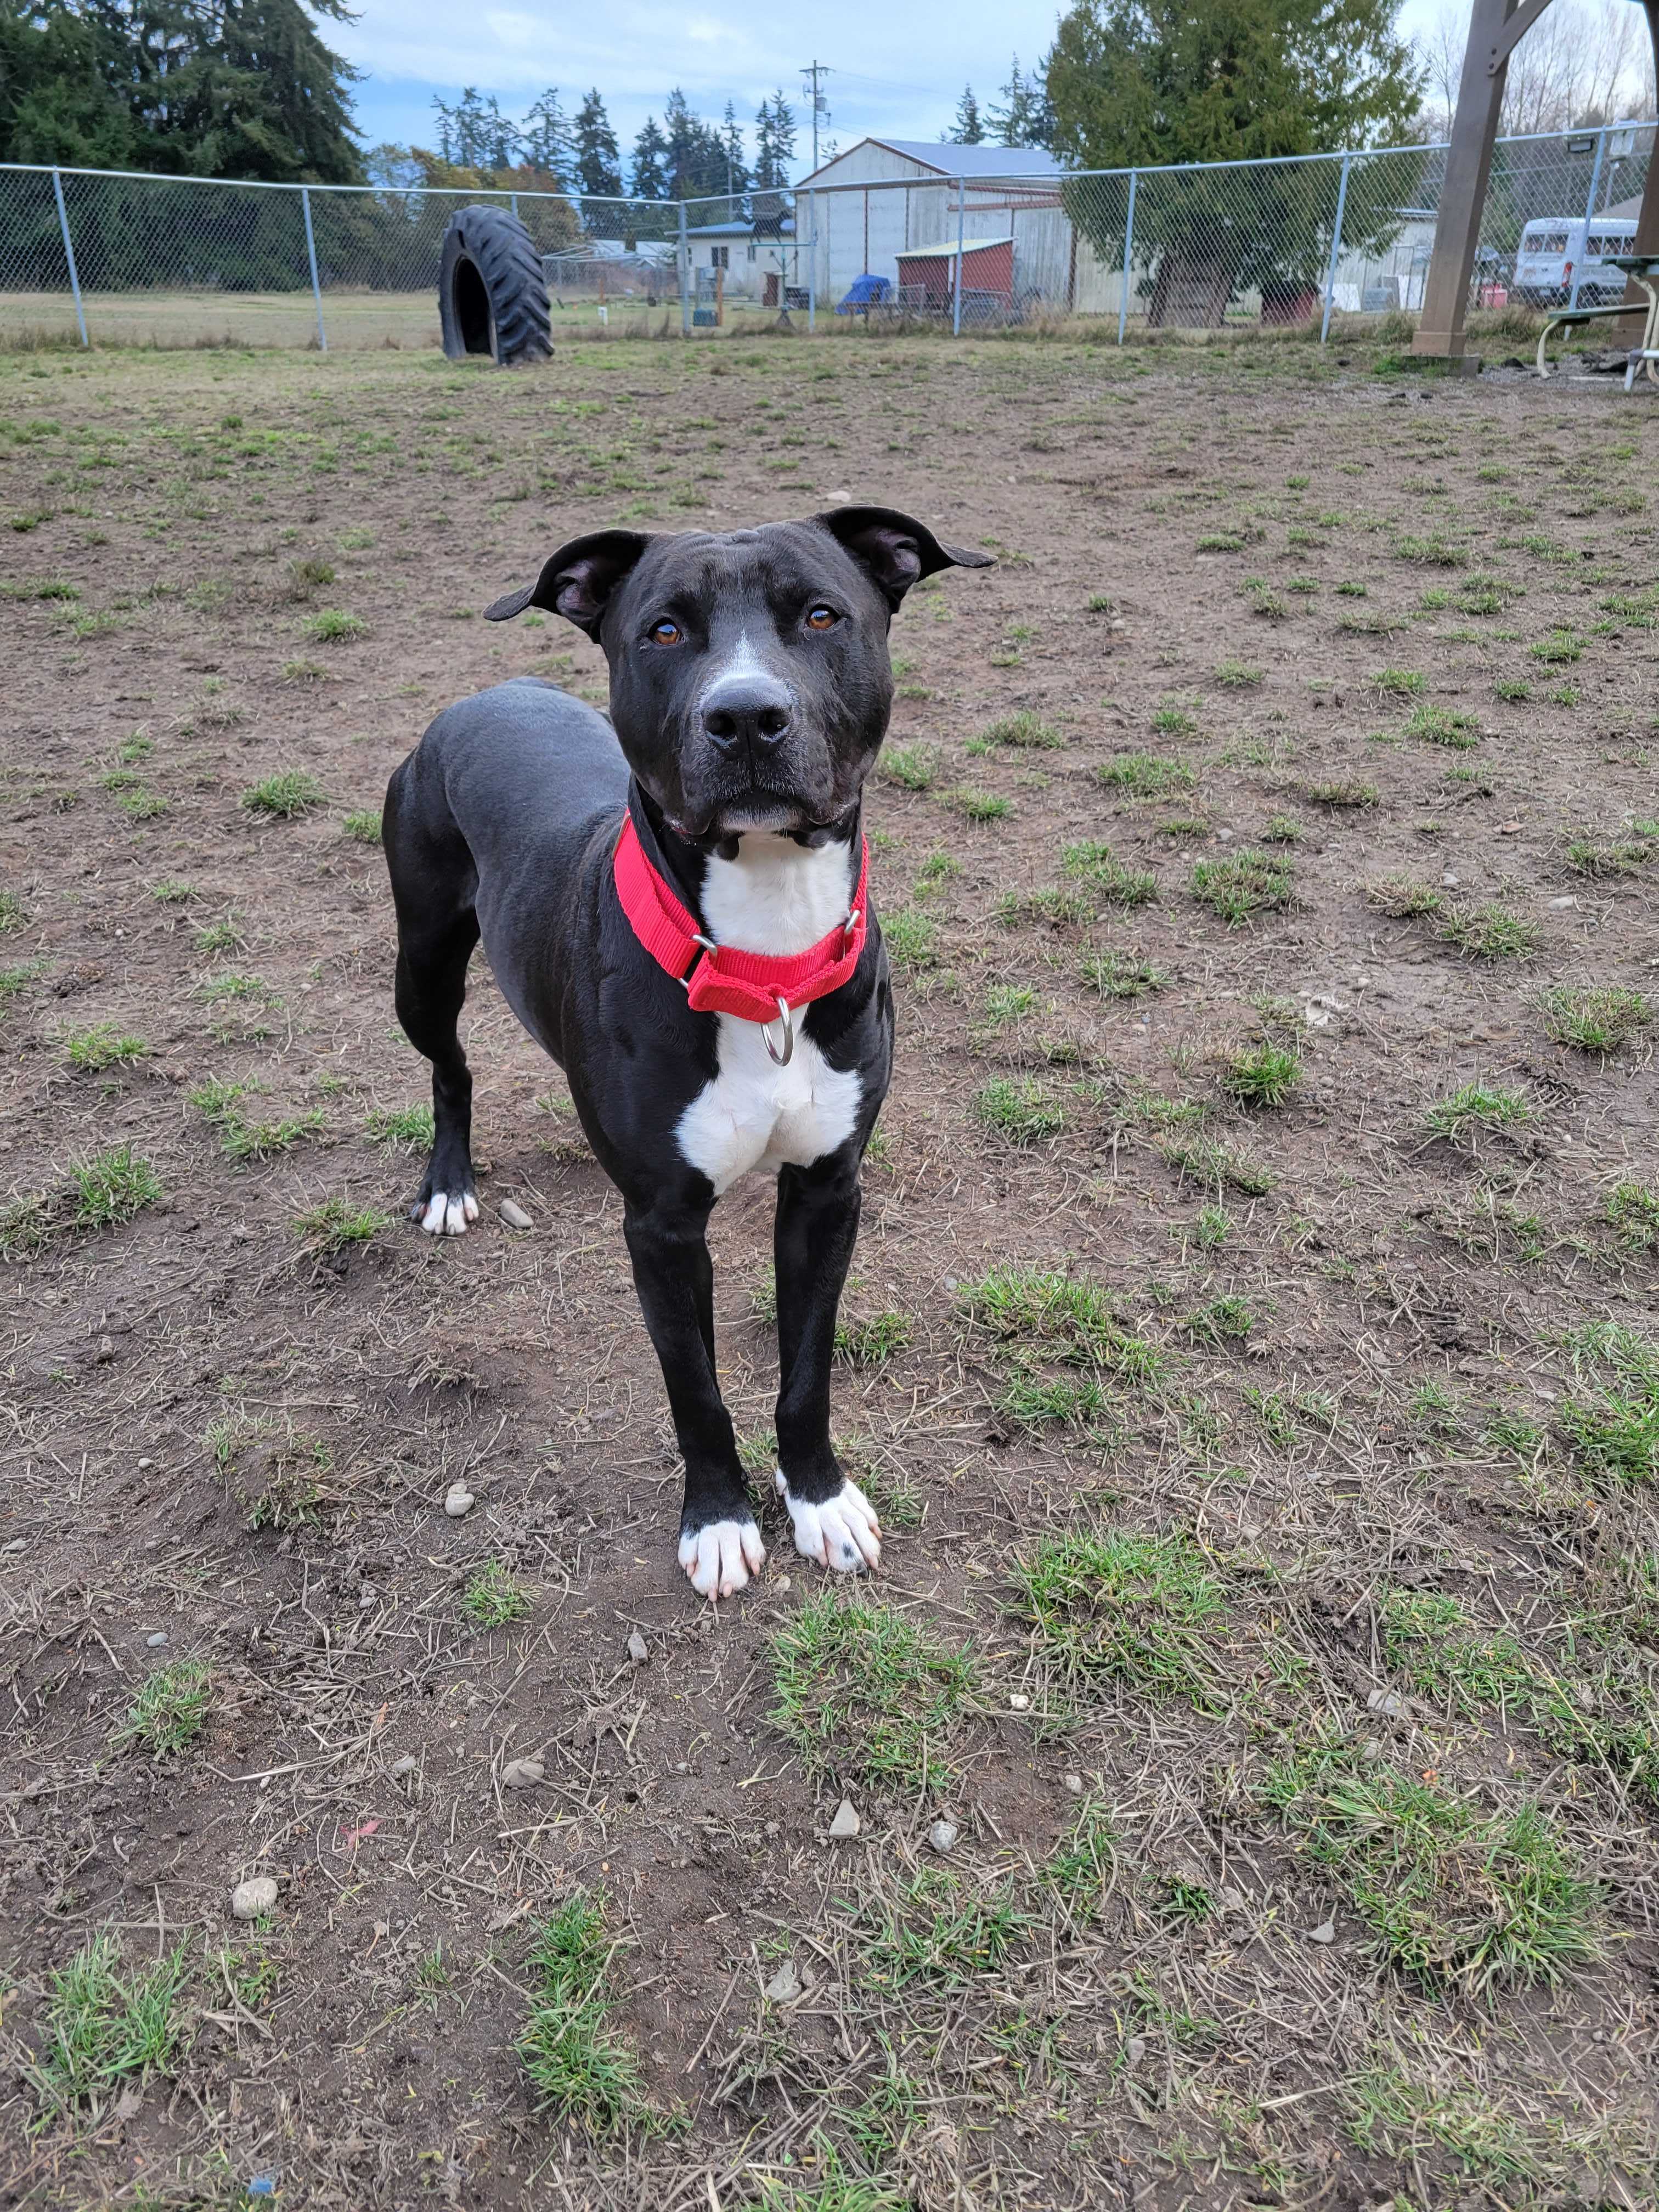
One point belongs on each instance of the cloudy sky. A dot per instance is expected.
(897, 66)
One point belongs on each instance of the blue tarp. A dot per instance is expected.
(866, 291)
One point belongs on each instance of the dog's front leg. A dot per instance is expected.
(817, 1221)
(667, 1240)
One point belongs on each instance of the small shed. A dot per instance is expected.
(927, 278)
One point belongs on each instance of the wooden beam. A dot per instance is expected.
(1469, 170)
(1512, 33)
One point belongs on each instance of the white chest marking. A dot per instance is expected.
(775, 897)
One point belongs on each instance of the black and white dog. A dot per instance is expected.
(673, 903)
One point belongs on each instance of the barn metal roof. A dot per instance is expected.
(934, 252)
(949, 160)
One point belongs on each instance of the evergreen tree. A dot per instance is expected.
(214, 87)
(967, 130)
(1140, 82)
(774, 142)
(736, 166)
(1023, 119)
(696, 160)
(599, 165)
(547, 141)
(650, 159)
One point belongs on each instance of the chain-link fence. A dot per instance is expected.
(127, 257)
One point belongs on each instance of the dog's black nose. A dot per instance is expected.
(753, 710)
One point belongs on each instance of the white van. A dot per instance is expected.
(1554, 248)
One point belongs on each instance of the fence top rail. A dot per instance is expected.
(867, 185)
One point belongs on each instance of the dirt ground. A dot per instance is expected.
(1251, 1342)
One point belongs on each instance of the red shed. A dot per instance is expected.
(926, 275)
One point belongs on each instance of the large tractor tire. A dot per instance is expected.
(492, 290)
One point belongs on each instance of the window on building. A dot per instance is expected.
(719, 257)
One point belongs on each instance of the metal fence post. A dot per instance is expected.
(684, 258)
(1589, 214)
(962, 218)
(1336, 247)
(311, 255)
(1128, 251)
(69, 255)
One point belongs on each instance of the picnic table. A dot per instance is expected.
(1645, 269)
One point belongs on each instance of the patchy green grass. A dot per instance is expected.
(865, 1692)
(494, 1597)
(1094, 865)
(1596, 1018)
(1595, 854)
(1474, 1107)
(1445, 726)
(1022, 1111)
(108, 2026)
(111, 1187)
(1489, 932)
(1244, 885)
(1430, 1642)
(1633, 1213)
(335, 1224)
(333, 626)
(1260, 1074)
(1025, 731)
(872, 1342)
(1119, 974)
(1451, 1896)
(1148, 776)
(1118, 1608)
(363, 828)
(1398, 682)
(103, 1046)
(408, 1127)
(911, 766)
(291, 791)
(170, 1711)
(940, 1930)
(911, 939)
(580, 2070)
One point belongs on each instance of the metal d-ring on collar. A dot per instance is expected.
(780, 1059)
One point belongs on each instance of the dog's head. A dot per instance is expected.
(749, 682)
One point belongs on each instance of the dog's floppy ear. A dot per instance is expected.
(578, 581)
(895, 548)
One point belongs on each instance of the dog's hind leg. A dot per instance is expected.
(433, 885)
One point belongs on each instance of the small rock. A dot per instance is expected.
(143, 1463)
(1386, 1702)
(846, 1824)
(523, 1773)
(1073, 1783)
(1225, 835)
(515, 1215)
(366, 1598)
(1134, 2051)
(943, 1835)
(785, 1985)
(406, 1765)
(638, 1650)
(1020, 1704)
(1448, 881)
(459, 1501)
(1568, 900)
(17, 1544)
(105, 1351)
(253, 1897)
(156, 1641)
(1324, 1933)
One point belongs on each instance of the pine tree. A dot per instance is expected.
(969, 130)
(650, 157)
(547, 142)
(737, 166)
(774, 142)
(1023, 119)
(598, 164)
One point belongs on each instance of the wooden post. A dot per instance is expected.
(720, 297)
(1469, 169)
(1626, 330)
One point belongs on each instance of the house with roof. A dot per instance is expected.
(909, 210)
(754, 255)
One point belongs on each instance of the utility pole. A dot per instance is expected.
(814, 70)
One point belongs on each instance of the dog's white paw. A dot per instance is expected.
(448, 1216)
(842, 1532)
(721, 1555)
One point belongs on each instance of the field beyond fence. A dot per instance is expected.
(122, 258)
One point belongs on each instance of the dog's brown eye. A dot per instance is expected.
(666, 632)
(821, 618)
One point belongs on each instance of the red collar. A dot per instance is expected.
(758, 986)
